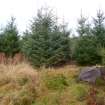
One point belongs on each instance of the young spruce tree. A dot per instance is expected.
(99, 28)
(46, 44)
(10, 39)
(86, 47)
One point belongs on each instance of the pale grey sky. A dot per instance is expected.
(24, 10)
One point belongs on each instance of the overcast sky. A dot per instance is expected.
(24, 10)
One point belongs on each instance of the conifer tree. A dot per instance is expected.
(46, 44)
(84, 28)
(86, 51)
(10, 38)
(99, 28)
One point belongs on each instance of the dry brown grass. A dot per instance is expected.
(22, 85)
(17, 83)
(13, 72)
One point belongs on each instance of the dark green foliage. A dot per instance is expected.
(73, 42)
(46, 44)
(86, 51)
(1, 43)
(99, 28)
(9, 39)
(83, 27)
(90, 39)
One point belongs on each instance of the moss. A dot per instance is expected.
(57, 82)
(100, 82)
(80, 91)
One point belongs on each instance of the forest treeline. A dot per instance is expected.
(48, 43)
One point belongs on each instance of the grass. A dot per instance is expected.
(56, 82)
(22, 85)
(17, 84)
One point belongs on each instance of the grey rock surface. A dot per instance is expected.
(90, 74)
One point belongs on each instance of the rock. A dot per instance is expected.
(102, 69)
(90, 74)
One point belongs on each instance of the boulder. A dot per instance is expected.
(90, 74)
(102, 70)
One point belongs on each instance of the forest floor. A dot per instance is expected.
(23, 85)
